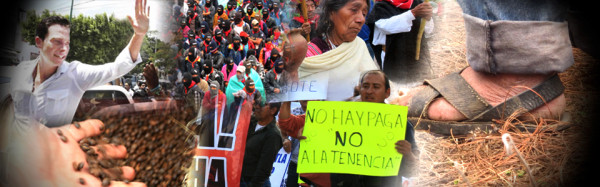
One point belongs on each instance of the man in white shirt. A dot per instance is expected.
(395, 25)
(128, 88)
(48, 89)
(401, 23)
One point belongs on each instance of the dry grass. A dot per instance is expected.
(480, 159)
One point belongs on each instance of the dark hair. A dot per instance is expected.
(42, 28)
(250, 52)
(387, 81)
(325, 25)
(299, 5)
(187, 76)
(275, 105)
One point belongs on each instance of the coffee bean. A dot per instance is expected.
(91, 152)
(85, 147)
(104, 140)
(105, 164)
(76, 124)
(102, 149)
(63, 138)
(60, 133)
(164, 140)
(81, 181)
(75, 166)
(78, 166)
(95, 172)
(105, 182)
(116, 141)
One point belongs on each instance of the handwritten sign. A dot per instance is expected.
(352, 137)
(308, 88)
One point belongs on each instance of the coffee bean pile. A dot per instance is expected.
(159, 147)
(106, 169)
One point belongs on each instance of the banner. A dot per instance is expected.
(352, 137)
(219, 154)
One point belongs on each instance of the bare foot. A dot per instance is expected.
(495, 89)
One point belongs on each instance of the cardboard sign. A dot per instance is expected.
(352, 137)
(309, 88)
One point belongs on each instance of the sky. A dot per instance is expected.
(159, 9)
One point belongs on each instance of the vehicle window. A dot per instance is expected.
(120, 98)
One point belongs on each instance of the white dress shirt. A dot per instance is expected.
(55, 100)
(396, 24)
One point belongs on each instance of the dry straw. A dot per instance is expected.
(550, 153)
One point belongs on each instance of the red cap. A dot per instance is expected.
(244, 34)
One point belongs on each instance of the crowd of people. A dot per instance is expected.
(215, 41)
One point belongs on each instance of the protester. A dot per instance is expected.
(213, 99)
(220, 40)
(237, 83)
(236, 50)
(272, 80)
(292, 175)
(204, 45)
(193, 58)
(220, 14)
(239, 25)
(254, 64)
(309, 26)
(189, 93)
(262, 145)
(276, 12)
(248, 93)
(231, 8)
(209, 74)
(256, 36)
(193, 20)
(184, 28)
(374, 87)
(208, 11)
(337, 51)
(272, 56)
(395, 26)
(228, 70)
(214, 56)
(245, 42)
(265, 52)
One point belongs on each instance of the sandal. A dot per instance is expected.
(480, 114)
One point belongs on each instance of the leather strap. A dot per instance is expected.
(468, 102)
(460, 94)
(526, 101)
(420, 102)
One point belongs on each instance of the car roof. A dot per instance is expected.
(112, 88)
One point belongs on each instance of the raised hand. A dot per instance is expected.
(141, 23)
(151, 75)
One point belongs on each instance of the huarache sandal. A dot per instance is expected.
(480, 114)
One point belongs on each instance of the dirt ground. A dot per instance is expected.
(553, 157)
